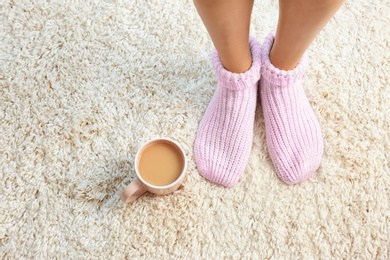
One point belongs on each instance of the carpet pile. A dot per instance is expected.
(83, 84)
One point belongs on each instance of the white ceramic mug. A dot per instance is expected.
(139, 186)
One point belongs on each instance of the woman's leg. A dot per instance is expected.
(299, 23)
(224, 138)
(228, 22)
(293, 133)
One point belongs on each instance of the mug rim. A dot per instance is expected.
(147, 184)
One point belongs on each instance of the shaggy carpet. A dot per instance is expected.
(83, 84)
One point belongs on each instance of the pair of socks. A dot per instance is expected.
(224, 138)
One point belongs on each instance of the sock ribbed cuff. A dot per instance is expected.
(275, 76)
(239, 81)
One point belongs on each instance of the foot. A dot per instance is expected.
(224, 138)
(293, 134)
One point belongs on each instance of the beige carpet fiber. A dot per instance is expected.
(84, 84)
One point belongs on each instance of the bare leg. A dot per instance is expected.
(300, 21)
(228, 22)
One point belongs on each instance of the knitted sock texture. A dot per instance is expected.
(293, 133)
(224, 138)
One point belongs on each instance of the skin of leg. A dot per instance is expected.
(228, 23)
(299, 23)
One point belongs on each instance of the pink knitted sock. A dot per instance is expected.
(293, 133)
(224, 138)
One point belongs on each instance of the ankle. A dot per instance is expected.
(282, 62)
(235, 58)
(237, 65)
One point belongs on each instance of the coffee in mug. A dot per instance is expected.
(160, 166)
(160, 163)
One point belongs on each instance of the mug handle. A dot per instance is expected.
(133, 191)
